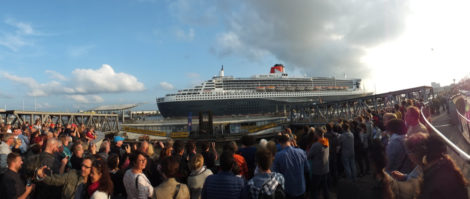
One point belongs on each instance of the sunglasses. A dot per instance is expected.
(86, 166)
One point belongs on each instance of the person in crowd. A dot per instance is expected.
(178, 153)
(73, 183)
(151, 169)
(68, 130)
(240, 160)
(170, 188)
(362, 157)
(90, 134)
(18, 134)
(291, 163)
(77, 155)
(406, 185)
(117, 175)
(5, 149)
(65, 151)
(51, 156)
(104, 150)
(265, 182)
(74, 133)
(412, 121)
(318, 154)
(122, 150)
(210, 155)
(190, 150)
(223, 184)
(136, 183)
(92, 149)
(441, 176)
(332, 156)
(248, 151)
(16, 146)
(12, 186)
(101, 186)
(346, 142)
(198, 175)
(396, 153)
(385, 134)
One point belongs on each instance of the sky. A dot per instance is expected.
(69, 55)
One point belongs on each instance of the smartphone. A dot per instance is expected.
(28, 182)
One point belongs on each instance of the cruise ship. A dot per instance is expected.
(269, 93)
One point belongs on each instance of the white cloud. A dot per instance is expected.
(104, 80)
(86, 99)
(23, 28)
(320, 37)
(166, 86)
(15, 40)
(229, 43)
(56, 75)
(186, 36)
(81, 82)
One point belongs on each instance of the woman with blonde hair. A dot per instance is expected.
(198, 175)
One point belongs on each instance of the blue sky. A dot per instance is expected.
(68, 55)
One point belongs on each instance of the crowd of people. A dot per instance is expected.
(392, 147)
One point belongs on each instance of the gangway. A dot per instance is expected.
(347, 109)
(101, 122)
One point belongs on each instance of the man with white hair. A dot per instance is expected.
(5, 149)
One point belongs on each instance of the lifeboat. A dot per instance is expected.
(290, 88)
(317, 88)
(270, 88)
(309, 88)
(300, 88)
(260, 88)
(280, 88)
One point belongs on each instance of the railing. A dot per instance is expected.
(449, 143)
(464, 124)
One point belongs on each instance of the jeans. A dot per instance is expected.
(349, 167)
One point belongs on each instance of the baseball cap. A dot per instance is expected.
(118, 138)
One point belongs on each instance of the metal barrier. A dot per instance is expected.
(465, 126)
(449, 143)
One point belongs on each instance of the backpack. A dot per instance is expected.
(278, 194)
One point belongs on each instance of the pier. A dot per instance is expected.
(107, 123)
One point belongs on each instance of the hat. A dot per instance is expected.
(118, 138)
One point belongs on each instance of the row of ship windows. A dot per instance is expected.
(207, 97)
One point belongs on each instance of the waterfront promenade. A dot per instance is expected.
(361, 178)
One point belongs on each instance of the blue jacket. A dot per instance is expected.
(223, 185)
